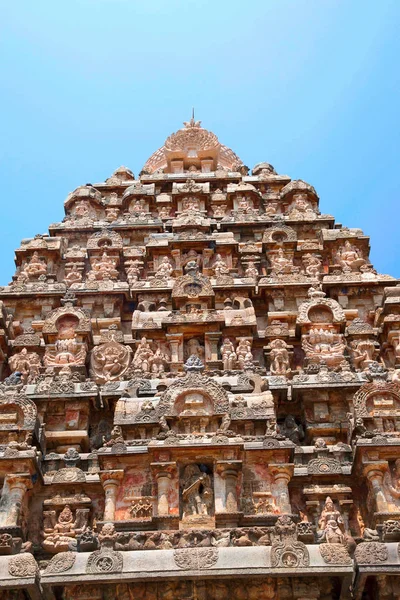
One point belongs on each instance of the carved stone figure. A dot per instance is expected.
(143, 355)
(279, 357)
(228, 355)
(33, 269)
(164, 269)
(103, 269)
(251, 271)
(244, 354)
(60, 533)
(197, 493)
(109, 361)
(67, 351)
(312, 264)
(26, 363)
(349, 257)
(291, 430)
(324, 346)
(364, 353)
(280, 264)
(220, 267)
(134, 270)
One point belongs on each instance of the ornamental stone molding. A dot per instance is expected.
(104, 561)
(196, 558)
(291, 555)
(370, 553)
(26, 415)
(335, 554)
(106, 238)
(23, 565)
(60, 563)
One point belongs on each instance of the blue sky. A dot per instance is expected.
(311, 86)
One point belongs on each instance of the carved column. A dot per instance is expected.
(212, 340)
(163, 472)
(110, 481)
(175, 341)
(14, 490)
(228, 471)
(163, 481)
(282, 475)
(374, 473)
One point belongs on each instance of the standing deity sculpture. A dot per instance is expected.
(26, 363)
(244, 354)
(197, 492)
(312, 264)
(391, 486)
(228, 355)
(143, 355)
(279, 357)
(330, 524)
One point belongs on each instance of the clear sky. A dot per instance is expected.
(311, 86)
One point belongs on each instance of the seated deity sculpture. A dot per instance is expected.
(363, 353)
(103, 269)
(159, 362)
(251, 270)
(164, 269)
(74, 275)
(112, 213)
(26, 363)
(197, 493)
(67, 350)
(244, 354)
(164, 212)
(291, 430)
(271, 209)
(81, 209)
(324, 346)
(60, 533)
(280, 264)
(228, 355)
(279, 357)
(220, 267)
(33, 269)
(245, 205)
(312, 264)
(134, 270)
(301, 207)
(349, 258)
(219, 211)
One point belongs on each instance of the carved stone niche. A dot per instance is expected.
(239, 311)
(194, 404)
(18, 421)
(377, 408)
(197, 495)
(65, 517)
(326, 502)
(67, 331)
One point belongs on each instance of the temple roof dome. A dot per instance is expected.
(192, 148)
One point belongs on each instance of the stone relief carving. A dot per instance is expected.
(109, 361)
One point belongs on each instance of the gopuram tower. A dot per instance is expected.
(200, 393)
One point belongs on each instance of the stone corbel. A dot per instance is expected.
(110, 481)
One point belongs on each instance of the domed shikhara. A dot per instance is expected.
(192, 149)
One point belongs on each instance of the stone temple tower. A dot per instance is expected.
(199, 393)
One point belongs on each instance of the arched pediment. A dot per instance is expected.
(376, 398)
(193, 390)
(17, 412)
(279, 234)
(56, 317)
(106, 238)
